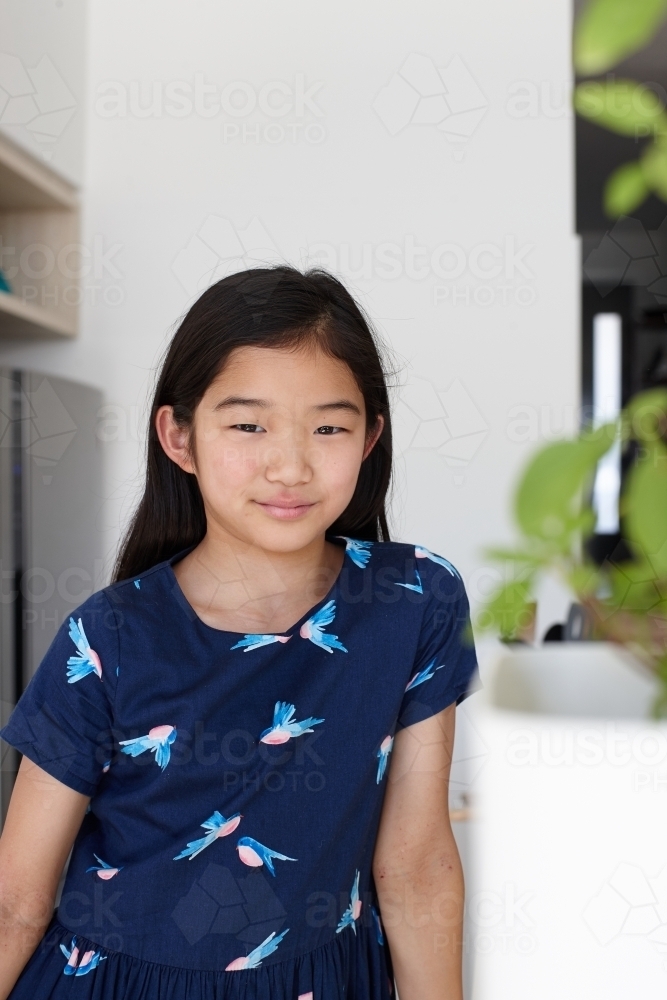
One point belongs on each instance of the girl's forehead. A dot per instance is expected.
(278, 370)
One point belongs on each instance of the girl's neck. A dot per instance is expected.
(237, 587)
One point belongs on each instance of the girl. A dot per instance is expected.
(247, 736)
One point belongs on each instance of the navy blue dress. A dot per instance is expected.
(236, 782)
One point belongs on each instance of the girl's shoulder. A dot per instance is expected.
(111, 604)
(367, 553)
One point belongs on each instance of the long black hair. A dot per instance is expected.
(263, 307)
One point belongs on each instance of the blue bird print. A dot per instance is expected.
(87, 661)
(378, 925)
(383, 754)
(359, 551)
(422, 553)
(157, 741)
(89, 960)
(104, 870)
(253, 959)
(413, 586)
(283, 729)
(254, 854)
(312, 629)
(353, 910)
(255, 641)
(217, 826)
(422, 675)
(137, 584)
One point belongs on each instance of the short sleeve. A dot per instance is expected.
(445, 666)
(63, 721)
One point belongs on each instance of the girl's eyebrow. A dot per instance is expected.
(338, 404)
(241, 401)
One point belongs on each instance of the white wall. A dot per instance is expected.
(339, 177)
(43, 79)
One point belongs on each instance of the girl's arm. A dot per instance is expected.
(43, 819)
(416, 866)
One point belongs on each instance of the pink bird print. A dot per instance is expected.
(312, 629)
(87, 661)
(251, 961)
(217, 826)
(283, 729)
(254, 854)
(422, 675)
(354, 909)
(359, 551)
(423, 553)
(305, 996)
(104, 871)
(255, 641)
(157, 741)
(417, 586)
(383, 754)
(89, 960)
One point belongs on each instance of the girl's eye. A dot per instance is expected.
(251, 428)
(328, 429)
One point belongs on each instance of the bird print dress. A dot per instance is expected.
(235, 781)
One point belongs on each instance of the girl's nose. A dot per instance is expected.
(287, 463)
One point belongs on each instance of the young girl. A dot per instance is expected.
(247, 736)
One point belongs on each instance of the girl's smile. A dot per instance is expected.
(283, 508)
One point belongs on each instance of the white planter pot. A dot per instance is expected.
(569, 893)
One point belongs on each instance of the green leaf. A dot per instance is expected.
(625, 189)
(507, 608)
(584, 579)
(644, 418)
(645, 507)
(514, 556)
(547, 500)
(654, 169)
(609, 30)
(623, 106)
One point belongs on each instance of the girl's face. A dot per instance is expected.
(277, 443)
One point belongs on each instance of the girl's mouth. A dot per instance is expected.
(285, 511)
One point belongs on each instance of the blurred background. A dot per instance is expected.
(429, 155)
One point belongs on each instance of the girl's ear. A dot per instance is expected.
(373, 438)
(174, 439)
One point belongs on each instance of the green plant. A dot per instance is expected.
(626, 601)
(606, 32)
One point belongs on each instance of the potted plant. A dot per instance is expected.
(571, 803)
(625, 598)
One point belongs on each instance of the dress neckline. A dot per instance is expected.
(182, 601)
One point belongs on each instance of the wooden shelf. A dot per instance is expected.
(25, 183)
(39, 218)
(23, 319)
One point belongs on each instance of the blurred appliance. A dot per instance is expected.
(50, 538)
